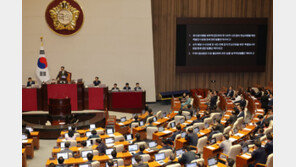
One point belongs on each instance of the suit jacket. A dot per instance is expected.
(96, 83)
(212, 133)
(259, 156)
(174, 135)
(115, 89)
(93, 136)
(264, 101)
(187, 157)
(269, 148)
(141, 164)
(137, 88)
(220, 128)
(232, 118)
(230, 93)
(62, 76)
(126, 88)
(213, 101)
(30, 83)
(61, 165)
(192, 139)
(139, 153)
(241, 114)
(102, 148)
(197, 121)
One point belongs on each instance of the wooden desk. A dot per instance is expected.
(29, 147)
(124, 127)
(81, 131)
(35, 136)
(175, 104)
(243, 160)
(210, 151)
(24, 158)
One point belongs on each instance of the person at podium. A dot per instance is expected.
(97, 82)
(138, 88)
(127, 87)
(62, 76)
(30, 82)
(115, 88)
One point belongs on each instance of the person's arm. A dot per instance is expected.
(58, 76)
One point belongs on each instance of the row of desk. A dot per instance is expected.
(28, 147)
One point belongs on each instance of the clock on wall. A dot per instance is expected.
(65, 17)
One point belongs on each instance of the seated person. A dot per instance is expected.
(61, 162)
(171, 161)
(225, 144)
(101, 146)
(191, 138)
(241, 111)
(138, 159)
(150, 123)
(115, 88)
(188, 100)
(110, 163)
(138, 88)
(187, 156)
(97, 82)
(114, 154)
(259, 154)
(66, 149)
(135, 119)
(179, 131)
(127, 87)
(165, 144)
(89, 158)
(213, 100)
(142, 148)
(93, 135)
(52, 165)
(230, 92)
(71, 135)
(138, 138)
(220, 127)
(30, 82)
(229, 162)
(62, 76)
(269, 145)
(198, 119)
(242, 102)
(183, 98)
(214, 131)
(84, 147)
(257, 135)
(189, 109)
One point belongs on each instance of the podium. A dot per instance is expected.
(59, 111)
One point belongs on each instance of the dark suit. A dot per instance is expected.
(264, 101)
(126, 88)
(137, 88)
(61, 165)
(174, 135)
(138, 153)
(141, 164)
(259, 156)
(241, 114)
(269, 148)
(93, 136)
(96, 83)
(192, 139)
(232, 119)
(102, 148)
(30, 83)
(220, 128)
(187, 157)
(62, 76)
(197, 121)
(115, 89)
(230, 93)
(212, 133)
(213, 101)
(166, 147)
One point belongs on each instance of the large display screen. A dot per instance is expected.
(221, 44)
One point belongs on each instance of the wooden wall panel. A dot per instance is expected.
(164, 14)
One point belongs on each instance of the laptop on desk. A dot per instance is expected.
(183, 134)
(213, 141)
(159, 158)
(110, 131)
(64, 155)
(109, 150)
(173, 125)
(160, 129)
(191, 165)
(179, 153)
(88, 133)
(122, 119)
(141, 123)
(133, 148)
(212, 161)
(85, 165)
(129, 138)
(92, 126)
(152, 146)
(195, 130)
(109, 142)
(154, 119)
(84, 153)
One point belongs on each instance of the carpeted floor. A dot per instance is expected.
(45, 150)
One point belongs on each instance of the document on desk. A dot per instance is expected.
(201, 133)
(246, 156)
(157, 122)
(120, 123)
(167, 131)
(189, 120)
(232, 139)
(24, 141)
(239, 134)
(247, 129)
(211, 148)
(111, 135)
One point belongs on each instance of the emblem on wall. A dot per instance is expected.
(65, 17)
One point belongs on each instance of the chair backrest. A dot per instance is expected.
(120, 162)
(247, 103)
(77, 134)
(95, 152)
(227, 130)
(200, 125)
(149, 119)
(141, 143)
(178, 118)
(201, 143)
(150, 131)
(178, 136)
(69, 77)
(95, 164)
(263, 138)
(214, 116)
(174, 165)
(134, 124)
(192, 101)
(200, 160)
(169, 124)
(186, 114)
(167, 152)
(100, 132)
(239, 122)
(119, 138)
(267, 130)
(218, 136)
(270, 123)
(145, 157)
(208, 120)
(159, 114)
(234, 150)
(73, 143)
(119, 148)
(188, 128)
(269, 162)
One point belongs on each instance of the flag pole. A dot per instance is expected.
(41, 38)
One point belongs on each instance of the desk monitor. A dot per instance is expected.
(179, 152)
(196, 130)
(30, 129)
(87, 134)
(182, 120)
(66, 135)
(24, 137)
(160, 129)
(212, 161)
(108, 151)
(89, 143)
(164, 114)
(69, 128)
(245, 149)
(134, 161)
(109, 140)
(183, 134)
(84, 153)
(133, 147)
(235, 130)
(154, 119)
(62, 144)
(92, 126)
(207, 125)
(213, 141)
(122, 119)
(152, 144)
(84, 165)
(159, 156)
(141, 123)
(191, 165)
(189, 117)
(64, 155)
(128, 137)
(109, 131)
(173, 124)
